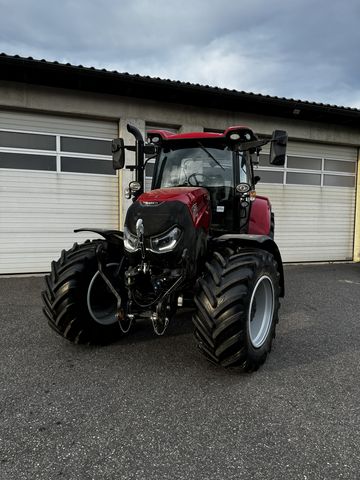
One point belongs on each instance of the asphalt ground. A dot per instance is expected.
(152, 408)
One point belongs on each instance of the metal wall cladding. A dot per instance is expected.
(40, 209)
(314, 223)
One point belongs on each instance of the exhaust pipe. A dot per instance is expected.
(139, 156)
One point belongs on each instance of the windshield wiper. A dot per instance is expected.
(210, 155)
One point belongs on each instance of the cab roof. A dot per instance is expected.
(244, 132)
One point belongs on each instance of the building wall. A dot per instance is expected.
(125, 110)
(112, 107)
(357, 217)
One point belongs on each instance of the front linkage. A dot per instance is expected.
(160, 302)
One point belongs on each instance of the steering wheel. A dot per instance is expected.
(196, 180)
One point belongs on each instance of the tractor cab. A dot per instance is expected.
(210, 160)
(211, 164)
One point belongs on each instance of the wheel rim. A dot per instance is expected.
(101, 302)
(261, 311)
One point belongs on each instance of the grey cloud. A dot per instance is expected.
(300, 49)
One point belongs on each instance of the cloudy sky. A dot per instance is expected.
(300, 49)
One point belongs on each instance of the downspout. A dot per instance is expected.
(357, 213)
(120, 191)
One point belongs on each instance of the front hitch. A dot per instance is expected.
(158, 304)
(159, 319)
(140, 238)
(120, 314)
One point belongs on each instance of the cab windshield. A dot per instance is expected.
(209, 166)
(198, 166)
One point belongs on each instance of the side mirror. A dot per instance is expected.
(278, 147)
(118, 153)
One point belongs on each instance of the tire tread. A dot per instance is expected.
(61, 304)
(221, 301)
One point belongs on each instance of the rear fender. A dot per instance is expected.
(255, 241)
(112, 236)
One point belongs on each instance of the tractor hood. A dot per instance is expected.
(162, 209)
(187, 195)
(196, 199)
(174, 221)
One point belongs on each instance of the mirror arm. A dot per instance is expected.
(150, 158)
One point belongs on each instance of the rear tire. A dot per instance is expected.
(237, 308)
(66, 297)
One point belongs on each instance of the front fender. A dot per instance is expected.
(260, 216)
(112, 236)
(255, 241)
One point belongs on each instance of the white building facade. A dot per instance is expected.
(56, 127)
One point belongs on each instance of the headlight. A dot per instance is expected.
(130, 241)
(166, 242)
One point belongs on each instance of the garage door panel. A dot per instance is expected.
(55, 212)
(42, 219)
(18, 179)
(338, 152)
(312, 223)
(35, 257)
(54, 244)
(39, 210)
(37, 122)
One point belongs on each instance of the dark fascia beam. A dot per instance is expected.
(53, 74)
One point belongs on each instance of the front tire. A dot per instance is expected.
(237, 308)
(77, 303)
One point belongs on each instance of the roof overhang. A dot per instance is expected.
(57, 75)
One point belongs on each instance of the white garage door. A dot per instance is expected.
(313, 198)
(55, 175)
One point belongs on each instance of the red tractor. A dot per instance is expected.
(200, 238)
